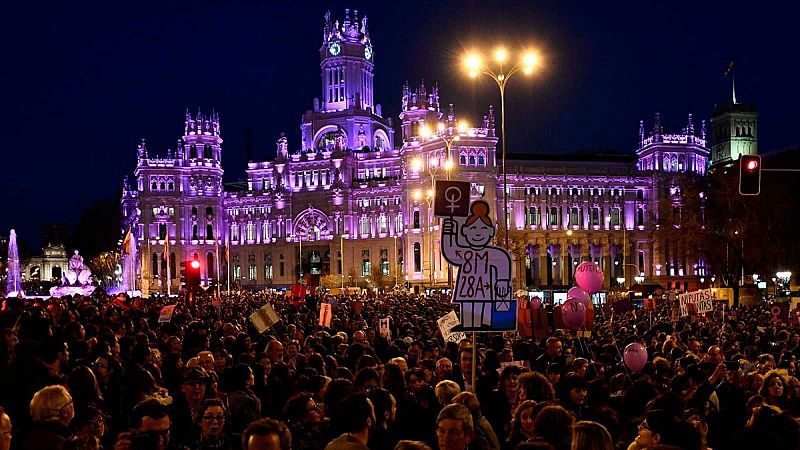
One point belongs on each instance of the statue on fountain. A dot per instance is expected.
(77, 274)
(77, 279)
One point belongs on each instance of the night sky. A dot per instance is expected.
(83, 82)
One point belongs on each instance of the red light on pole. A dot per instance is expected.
(750, 175)
(195, 264)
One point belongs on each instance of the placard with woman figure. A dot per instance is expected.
(483, 285)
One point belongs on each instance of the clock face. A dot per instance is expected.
(368, 52)
(335, 49)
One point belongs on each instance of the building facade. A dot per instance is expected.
(353, 199)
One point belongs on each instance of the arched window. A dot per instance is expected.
(463, 159)
(171, 186)
(416, 218)
(640, 217)
(195, 237)
(209, 211)
(414, 128)
(162, 231)
(209, 231)
(481, 160)
(193, 152)
(210, 267)
(639, 194)
(153, 186)
(471, 160)
(194, 210)
(162, 186)
(417, 257)
(208, 151)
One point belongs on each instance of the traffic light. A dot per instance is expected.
(192, 275)
(749, 174)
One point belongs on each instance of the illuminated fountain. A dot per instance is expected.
(14, 284)
(76, 280)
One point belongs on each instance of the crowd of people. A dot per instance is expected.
(105, 373)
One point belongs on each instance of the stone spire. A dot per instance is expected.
(641, 132)
(690, 126)
(702, 129)
(141, 150)
(657, 130)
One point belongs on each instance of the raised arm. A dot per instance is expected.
(451, 250)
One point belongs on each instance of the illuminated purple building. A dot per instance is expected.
(351, 202)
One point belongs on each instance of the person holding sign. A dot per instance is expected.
(483, 285)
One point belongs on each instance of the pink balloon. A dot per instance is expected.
(581, 295)
(635, 356)
(536, 303)
(574, 313)
(589, 277)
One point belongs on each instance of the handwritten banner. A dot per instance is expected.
(696, 302)
(446, 323)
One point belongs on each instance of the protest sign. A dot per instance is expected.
(325, 315)
(446, 323)
(383, 327)
(166, 314)
(264, 317)
(699, 302)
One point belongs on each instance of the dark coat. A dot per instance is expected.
(49, 435)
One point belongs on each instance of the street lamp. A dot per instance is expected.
(417, 195)
(501, 74)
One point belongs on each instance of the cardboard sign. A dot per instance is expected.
(699, 302)
(166, 314)
(325, 315)
(264, 317)
(483, 281)
(446, 323)
(383, 327)
(649, 304)
(452, 199)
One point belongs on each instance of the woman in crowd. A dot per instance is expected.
(521, 425)
(304, 417)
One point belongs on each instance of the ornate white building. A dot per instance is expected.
(350, 201)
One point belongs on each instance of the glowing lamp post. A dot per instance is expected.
(501, 73)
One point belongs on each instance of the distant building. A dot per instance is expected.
(352, 202)
(48, 267)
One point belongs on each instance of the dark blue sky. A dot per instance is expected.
(82, 82)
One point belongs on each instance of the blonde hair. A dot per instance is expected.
(445, 391)
(48, 402)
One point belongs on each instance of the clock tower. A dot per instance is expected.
(346, 60)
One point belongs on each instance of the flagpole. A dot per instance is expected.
(228, 261)
(216, 258)
(166, 255)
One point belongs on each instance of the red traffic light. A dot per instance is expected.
(195, 264)
(751, 165)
